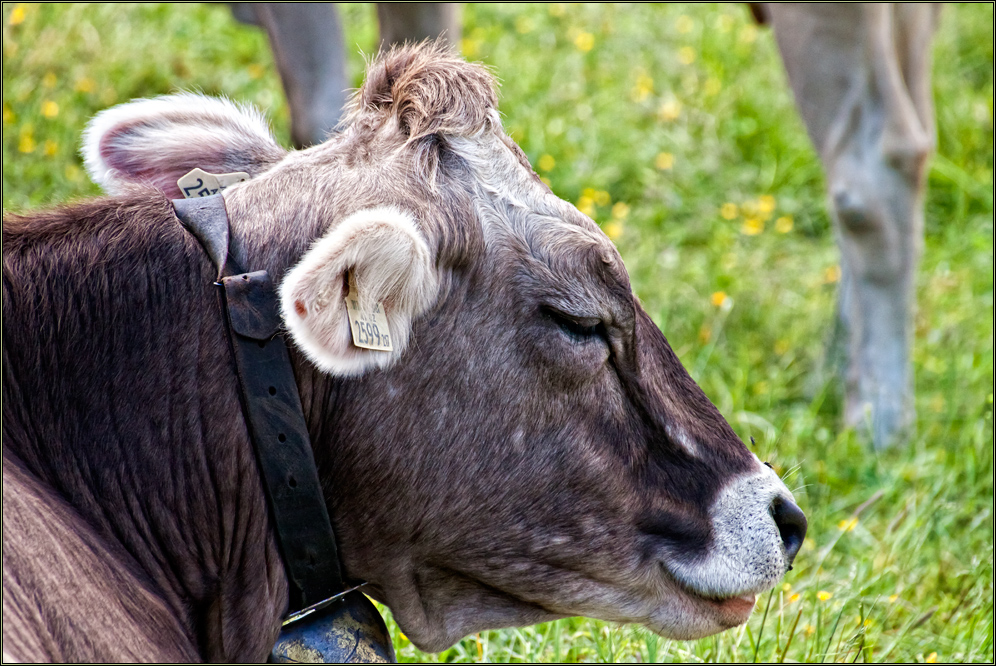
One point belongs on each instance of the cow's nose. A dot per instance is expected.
(791, 522)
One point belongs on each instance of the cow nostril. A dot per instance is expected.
(791, 522)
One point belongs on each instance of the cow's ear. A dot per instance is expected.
(156, 141)
(380, 252)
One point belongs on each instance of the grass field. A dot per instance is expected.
(672, 126)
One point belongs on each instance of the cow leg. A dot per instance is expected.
(860, 75)
(413, 22)
(307, 44)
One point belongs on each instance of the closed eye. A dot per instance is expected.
(579, 329)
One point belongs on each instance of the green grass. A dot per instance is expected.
(673, 118)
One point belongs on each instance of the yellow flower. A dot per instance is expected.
(49, 80)
(614, 229)
(669, 110)
(729, 211)
(786, 587)
(468, 47)
(49, 109)
(686, 55)
(752, 226)
(684, 24)
(931, 658)
(893, 598)
(783, 225)
(584, 41)
(766, 203)
(794, 598)
(664, 161)
(712, 86)
(523, 25)
(643, 88)
(256, 71)
(848, 524)
(718, 298)
(602, 198)
(51, 148)
(546, 162)
(557, 9)
(16, 16)
(823, 595)
(831, 274)
(85, 85)
(620, 211)
(810, 630)
(26, 144)
(586, 205)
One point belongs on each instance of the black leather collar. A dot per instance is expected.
(272, 409)
(325, 623)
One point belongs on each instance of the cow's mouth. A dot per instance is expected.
(733, 611)
(725, 610)
(705, 613)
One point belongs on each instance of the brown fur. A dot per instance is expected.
(120, 412)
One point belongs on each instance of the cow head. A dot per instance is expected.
(531, 448)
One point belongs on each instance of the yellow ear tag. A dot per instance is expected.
(369, 327)
(199, 183)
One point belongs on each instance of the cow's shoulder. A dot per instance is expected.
(67, 594)
(109, 312)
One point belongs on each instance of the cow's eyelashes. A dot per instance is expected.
(580, 329)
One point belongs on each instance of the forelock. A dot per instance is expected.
(427, 89)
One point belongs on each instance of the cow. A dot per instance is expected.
(861, 78)
(529, 449)
(860, 74)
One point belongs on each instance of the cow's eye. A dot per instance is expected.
(580, 329)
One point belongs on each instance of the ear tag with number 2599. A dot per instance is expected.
(369, 327)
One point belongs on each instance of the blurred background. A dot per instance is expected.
(674, 128)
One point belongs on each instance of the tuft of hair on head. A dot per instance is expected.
(429, 90)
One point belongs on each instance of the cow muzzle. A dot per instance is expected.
(757, 531)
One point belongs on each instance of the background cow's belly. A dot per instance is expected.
(66, 596)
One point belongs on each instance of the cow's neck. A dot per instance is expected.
(157, 458)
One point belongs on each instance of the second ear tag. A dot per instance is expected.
(200, 183)
(369, 327)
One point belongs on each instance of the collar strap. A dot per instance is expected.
(272, 409)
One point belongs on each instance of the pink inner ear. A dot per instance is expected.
(138, 165)
(299, 308)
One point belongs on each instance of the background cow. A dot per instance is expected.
(861, 78)
(530, 449)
